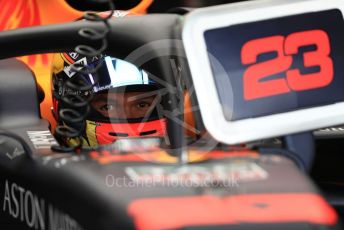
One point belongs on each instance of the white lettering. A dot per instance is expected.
(39, 206)
(53, 219)
(7, 198)
(332, 129)
(21, 190)
(29, 202)
(15, 214)
(25, 206)
(61, 221)
(41, 139)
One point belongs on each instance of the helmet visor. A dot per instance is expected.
(115, 73)
(122, 92)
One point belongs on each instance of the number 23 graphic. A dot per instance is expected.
(254, 85)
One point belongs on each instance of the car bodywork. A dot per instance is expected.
(139, 187)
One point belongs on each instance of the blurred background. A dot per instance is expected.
(15, 14)
(158, 6)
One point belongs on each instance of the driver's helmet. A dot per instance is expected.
(125, 99)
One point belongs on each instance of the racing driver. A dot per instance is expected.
(124, 103)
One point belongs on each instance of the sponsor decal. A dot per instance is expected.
(42, 139)
(10, 147)
(71, 72)
(25, 206)
(120, 14)
(332, 129)
(60, 160)
(16, 153)
(240, 171)
(73, 55)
